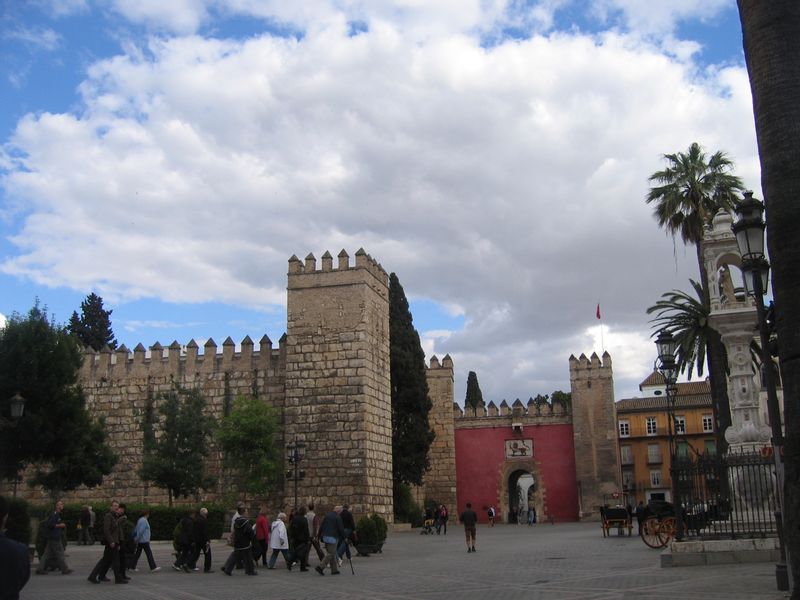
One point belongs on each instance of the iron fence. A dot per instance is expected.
(725, 497)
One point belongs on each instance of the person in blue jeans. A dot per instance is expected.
(349, 527)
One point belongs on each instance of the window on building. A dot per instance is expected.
(626, 455)
(652, 427)
(653, 454)
(627, 480)
(655, 478)
(680, 424)
(624, 428)
(708, 423)
(711, 447)
(682, 450)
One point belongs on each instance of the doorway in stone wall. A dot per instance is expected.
(521, 493)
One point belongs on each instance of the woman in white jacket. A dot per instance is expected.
(279, 541)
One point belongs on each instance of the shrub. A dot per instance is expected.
(367, 531)
(380, 526)
(406, 510)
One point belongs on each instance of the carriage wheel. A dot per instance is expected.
(649, 533)
(666, 530)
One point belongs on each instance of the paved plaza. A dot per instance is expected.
(569, 560)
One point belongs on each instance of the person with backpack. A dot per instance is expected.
(243, 535)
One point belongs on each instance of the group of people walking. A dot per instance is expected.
(252, 541)
(292, 537)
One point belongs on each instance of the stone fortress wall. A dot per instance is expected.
(329, 380)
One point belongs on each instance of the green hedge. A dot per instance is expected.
(162, 519)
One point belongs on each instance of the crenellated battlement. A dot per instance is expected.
(181, 361)
(434, 364)
(582, 363)
(363, 262)
(534, 411)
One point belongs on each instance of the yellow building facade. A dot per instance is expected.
(644, 436)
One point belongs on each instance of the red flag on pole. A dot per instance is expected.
(598, 310)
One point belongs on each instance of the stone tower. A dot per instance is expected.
(338, 396)
(594, 422)
(440, 480)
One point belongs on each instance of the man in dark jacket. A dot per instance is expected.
(301, 537)
(15, 568)
(202, 541)
(242, 540)
(54, 550)
(111, 553)
(469, 519)
(349, 527)
(185, 543)
(331, 532)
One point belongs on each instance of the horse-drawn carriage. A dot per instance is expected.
(617, 517)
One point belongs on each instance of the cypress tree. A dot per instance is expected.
(411, 432)
(474, 395)
(93, 326)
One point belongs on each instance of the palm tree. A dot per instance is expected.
(686, 319)
(687, 194)
(771, 34)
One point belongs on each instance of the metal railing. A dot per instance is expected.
(726, 497)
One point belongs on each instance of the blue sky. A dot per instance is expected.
(171, 157)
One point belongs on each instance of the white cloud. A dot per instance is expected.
(43, 38)
(2, 320)
(657, 17)
(505, 182)
(61, 8)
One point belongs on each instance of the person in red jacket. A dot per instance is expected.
(262, 535)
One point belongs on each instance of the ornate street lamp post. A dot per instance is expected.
(295, 452)
(666, 344)
(749, 231)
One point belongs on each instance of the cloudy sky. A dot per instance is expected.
(171, 156)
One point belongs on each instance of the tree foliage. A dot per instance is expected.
(247, 438)
(686, 318)
(40, 360)
(686, 196)
(93, 326)
(175, 459)
(411, 432)
(562, 398)
(690, 190)
(474, 396)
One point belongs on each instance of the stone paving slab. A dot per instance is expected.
(547, 562)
